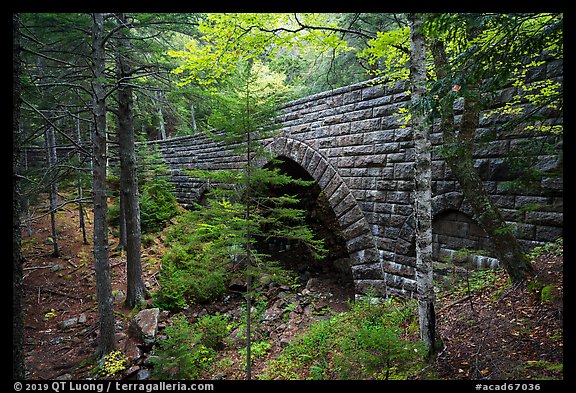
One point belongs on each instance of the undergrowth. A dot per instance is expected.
(372, 341)
(201, 260)
(189, 349)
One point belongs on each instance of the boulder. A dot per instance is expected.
(131, 349)
(144, 325)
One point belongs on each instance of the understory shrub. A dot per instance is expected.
(201, 259)
(157, 205)
(112, 364)
(188, 349)
(380, 352)
(372, 341)
(190, 275)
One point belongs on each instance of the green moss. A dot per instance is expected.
(548, 294)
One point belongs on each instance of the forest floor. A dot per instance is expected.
(495, 331)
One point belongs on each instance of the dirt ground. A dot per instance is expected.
(506, 332)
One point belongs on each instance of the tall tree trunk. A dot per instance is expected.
(122, 221)
(459, 148)
(18, 370)
(79, 179)
(136, 290)
(193, 119)
(106, 342)
(51, 159)
(26, 201)
(161, 126)
(423, 185)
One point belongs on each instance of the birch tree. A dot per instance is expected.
(422, 184)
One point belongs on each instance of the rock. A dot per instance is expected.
(143, 375)
(312, 284)
(82, 318)
(118, 296)
(284, 342)
(272, 314)
(265, 279)
(131, 349)
(237, 335)
(149, 361)
(164, 315)
(237, 285)
(131, 370)
(144, 325)
(57, 340)
(68, 323)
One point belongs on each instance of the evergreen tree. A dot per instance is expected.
(18, 369)
(106, 340)
(136, 290)
(241, 210)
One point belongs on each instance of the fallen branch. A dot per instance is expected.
(39, 267)
(60, 293)
(454, 303)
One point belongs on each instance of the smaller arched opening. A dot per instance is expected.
(458, 241)
(333, 274)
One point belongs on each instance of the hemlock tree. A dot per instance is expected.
(245, 113)
(18, 368)
(130, 208)
(106, 341)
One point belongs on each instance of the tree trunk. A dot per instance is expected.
(423, 186)
(52, 157)
(136, 290)
(193, 119)
(79, 179)
(458, 156)
(18, 370)
(122, 221)
(106, 342)
(161, 126)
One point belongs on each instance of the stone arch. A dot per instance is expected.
(360, 242)
(453, 229)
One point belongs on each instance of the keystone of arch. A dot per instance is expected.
(360, 241)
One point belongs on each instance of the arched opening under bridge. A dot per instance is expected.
(332, 274)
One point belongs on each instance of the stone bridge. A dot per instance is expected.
(353, 142)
